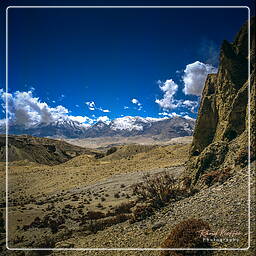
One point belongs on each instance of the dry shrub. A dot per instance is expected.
(95, 215)
(115, 219)
(141, 211)
(18, 239)
(111, 151)
(186, 182)
(217, 176)
(116, 195)
(45, 241)
(48, 221)
(124, 207)
(186, 234)
(158, 188)
(100, 224)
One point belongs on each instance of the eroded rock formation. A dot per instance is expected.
(221, 133)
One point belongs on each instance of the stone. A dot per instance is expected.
(220, 137)
(158, 225)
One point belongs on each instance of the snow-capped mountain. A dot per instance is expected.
(60, 128)
(160, 128)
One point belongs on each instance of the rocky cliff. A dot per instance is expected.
(225, 118)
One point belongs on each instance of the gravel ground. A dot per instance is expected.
(222, 206)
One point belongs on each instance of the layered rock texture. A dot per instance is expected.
(225, 118)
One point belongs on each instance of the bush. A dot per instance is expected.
(100, 224)
(124, 208)
(186, 234)
(95, 215)
(186, 183)
(45, 241)
(216, 176)
(159, 188)
(50, 221)
(141, 211)
(111, 151)
(116, 195)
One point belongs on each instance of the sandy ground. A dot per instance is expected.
(112, 141)
(81, 184)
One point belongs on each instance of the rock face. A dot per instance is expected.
(221, 131)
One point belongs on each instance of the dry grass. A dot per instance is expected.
(39, 190)
(34, 179)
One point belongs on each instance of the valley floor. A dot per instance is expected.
(84, 184)
(222, 206)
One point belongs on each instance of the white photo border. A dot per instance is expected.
(132, 249)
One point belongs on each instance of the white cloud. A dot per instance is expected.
(104, 110)
(189, 118)
(169, 88)
(81, 119)
(136, 102)
(194, 77)
(92, 106)
(26, 110)
(125, 107)
(189, 104)
(173, 114)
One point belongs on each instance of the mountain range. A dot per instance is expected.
(158, 128)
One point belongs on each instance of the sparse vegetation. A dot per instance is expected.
(124, 207)
(158, 188)
(111, 151)
(214, 176)
(186, 234)
(117, 195)
(95, 215)
(242, 157)
(141, 211)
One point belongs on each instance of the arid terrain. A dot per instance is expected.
(134, 193)
(49, 205)
(106, 142)
(85, 183)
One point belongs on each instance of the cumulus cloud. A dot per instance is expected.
(190, 104)
(136, 102)
(194, 77)
(173, 114)
(26, 110)
(169, 88)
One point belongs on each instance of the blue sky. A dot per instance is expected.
(125, 61)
